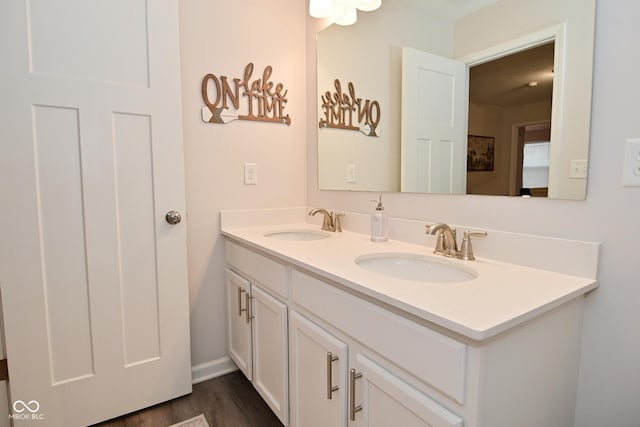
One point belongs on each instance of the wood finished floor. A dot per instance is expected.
(227, 401)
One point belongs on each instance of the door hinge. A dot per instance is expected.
(4, 370)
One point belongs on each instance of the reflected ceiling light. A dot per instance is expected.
(347, 18)
(369, 5)
(320, 8)
(342, 12)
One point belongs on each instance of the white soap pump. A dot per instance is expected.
(379, 223)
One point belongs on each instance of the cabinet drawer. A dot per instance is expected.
(428, 355)
(269, 273)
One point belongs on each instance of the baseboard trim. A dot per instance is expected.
(215, 368)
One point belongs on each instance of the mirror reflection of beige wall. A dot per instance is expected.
(498, 122)
(372, 61)
(507, 20)
(369, 54)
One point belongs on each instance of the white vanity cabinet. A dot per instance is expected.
(257, 330)
(413, 375)
(335, 381)
(323, 354)
(328, 389)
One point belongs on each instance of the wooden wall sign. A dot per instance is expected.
(342, 109)
(263, 101)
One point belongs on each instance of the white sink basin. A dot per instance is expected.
(416, 267)
(297, 234)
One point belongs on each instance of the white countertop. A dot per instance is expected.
(500, 297)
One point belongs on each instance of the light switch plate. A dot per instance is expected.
(351, 174)
(250, 174)
(631, 168)
(578, 169)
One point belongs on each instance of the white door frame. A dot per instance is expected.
(556, 34)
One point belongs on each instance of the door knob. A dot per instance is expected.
(173, 217)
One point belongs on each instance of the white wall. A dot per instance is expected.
(217, 37)
(221, 37)
(609, 386)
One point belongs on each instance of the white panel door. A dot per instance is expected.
(93, 278)
(435, 93)
(318, 366)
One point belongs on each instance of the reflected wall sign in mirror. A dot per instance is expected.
(549, 42)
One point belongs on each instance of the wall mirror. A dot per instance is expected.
(524, 85)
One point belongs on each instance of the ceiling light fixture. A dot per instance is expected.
(341, 12)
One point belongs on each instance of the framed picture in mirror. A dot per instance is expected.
(480, 153)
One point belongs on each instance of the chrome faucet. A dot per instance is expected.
(447, 245)
(332, 221)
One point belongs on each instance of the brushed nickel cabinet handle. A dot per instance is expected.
(240, 309)
(330, 388)
(353, 408)
(249, 310)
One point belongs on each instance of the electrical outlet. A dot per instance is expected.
(250, 174)
(351, 174)
(631, 168)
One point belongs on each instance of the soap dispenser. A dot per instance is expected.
(379, 223)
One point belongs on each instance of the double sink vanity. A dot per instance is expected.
(335, 330)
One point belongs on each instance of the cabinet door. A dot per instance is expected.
(239, 322)
(386, 400)
(318, 376)
(270, 355)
